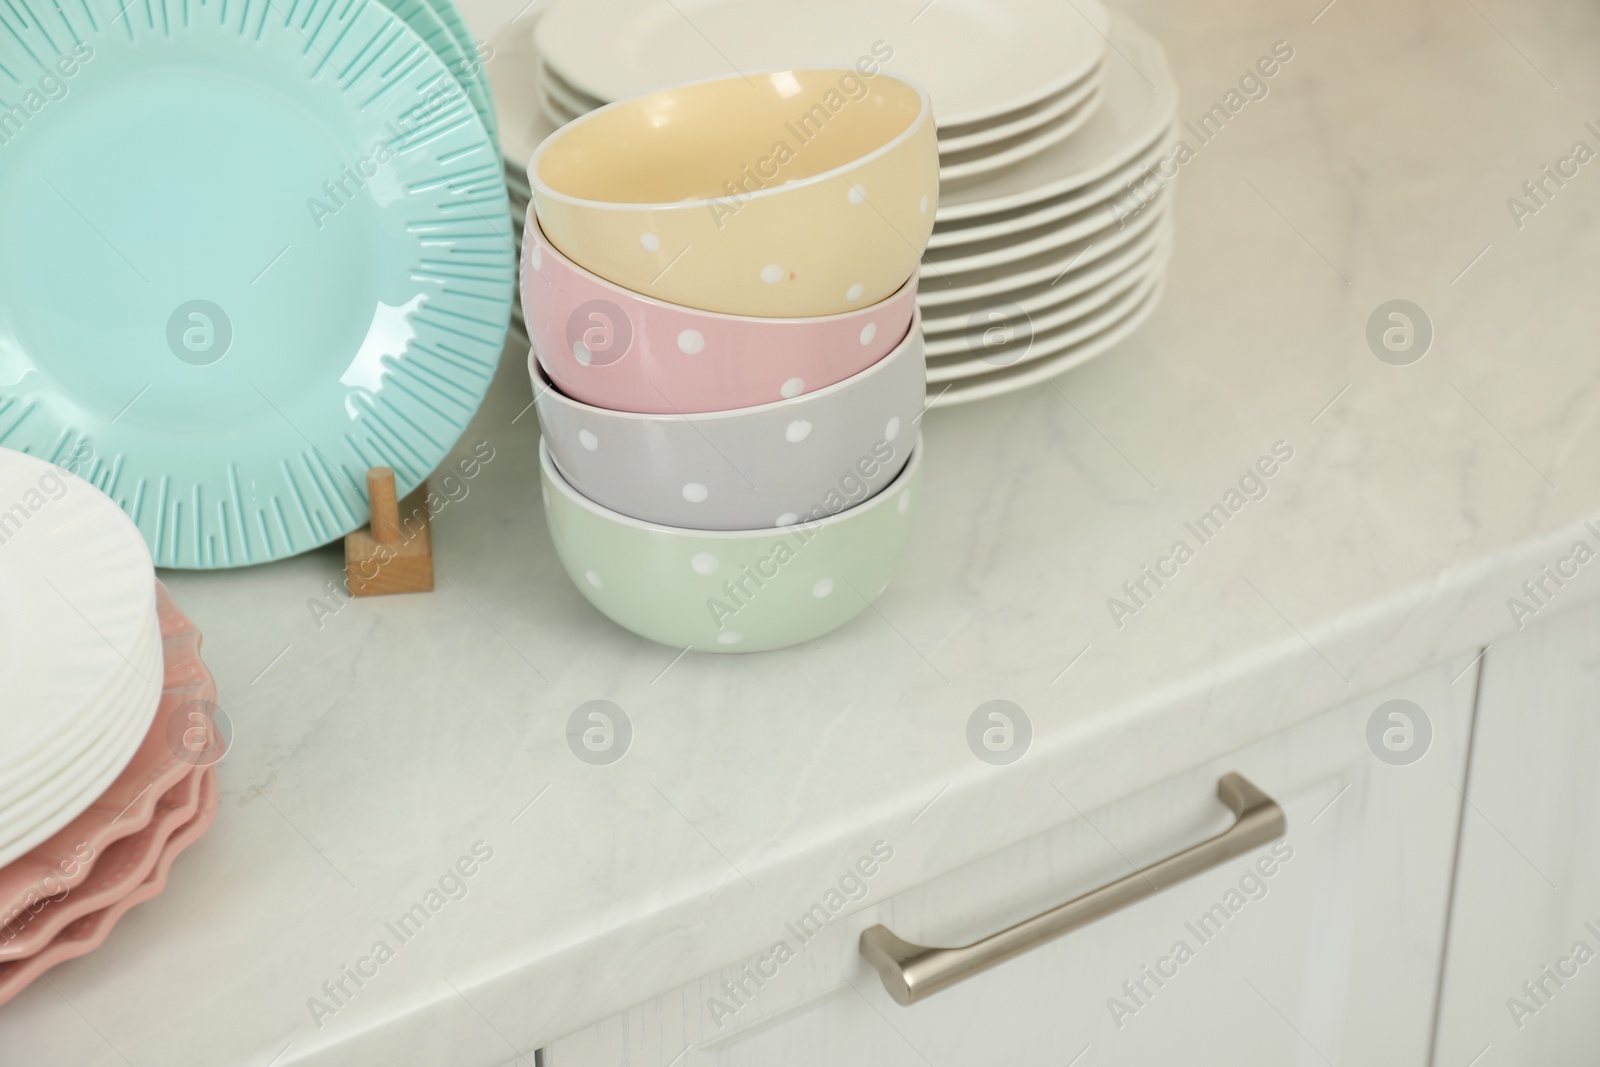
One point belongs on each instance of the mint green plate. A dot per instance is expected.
(472, 75)
(452, 45)
(250, 250)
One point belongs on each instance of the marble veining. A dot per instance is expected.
(377, 743)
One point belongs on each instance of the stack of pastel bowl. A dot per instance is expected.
(719, 282)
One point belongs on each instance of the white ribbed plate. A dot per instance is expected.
(77, 593)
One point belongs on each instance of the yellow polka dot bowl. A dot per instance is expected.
(785, 194)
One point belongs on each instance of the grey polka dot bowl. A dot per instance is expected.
(732, 591)
(747, 469)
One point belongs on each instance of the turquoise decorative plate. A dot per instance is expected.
(427, 18)
(251, 249)
(479, 89)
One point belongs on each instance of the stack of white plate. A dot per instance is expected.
(80, 648)
(1008, 78)
(1054, 224)
(1040, 268)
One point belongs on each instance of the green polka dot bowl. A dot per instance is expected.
(732, 590)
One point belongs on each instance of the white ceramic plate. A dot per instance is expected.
(550, 75)
(1116, 143)
(967, 346)
(1117, 186)
(141, 674)
(67, 795)
(553, 109)
(559, 102)
(967, 167)
(978, 59)
(1042, 121)
(998, 251)
(1141, 101)
(1040, 298)
(1050, 342)
(1024, 121)
(1044, 368)
(938, 287)
(84, 765)
(514, 77)
(77, 591)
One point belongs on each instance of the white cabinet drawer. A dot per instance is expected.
(1521, 984)
(1324, 944)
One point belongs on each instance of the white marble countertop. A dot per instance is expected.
(378, 745)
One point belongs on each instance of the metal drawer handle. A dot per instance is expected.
(912, 972)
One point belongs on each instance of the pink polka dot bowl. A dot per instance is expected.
(752, 468)
(614, 348)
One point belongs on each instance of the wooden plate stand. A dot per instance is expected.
(395, 553)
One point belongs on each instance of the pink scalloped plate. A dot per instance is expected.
(87, 933)
(162, 761)
(122, 866)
